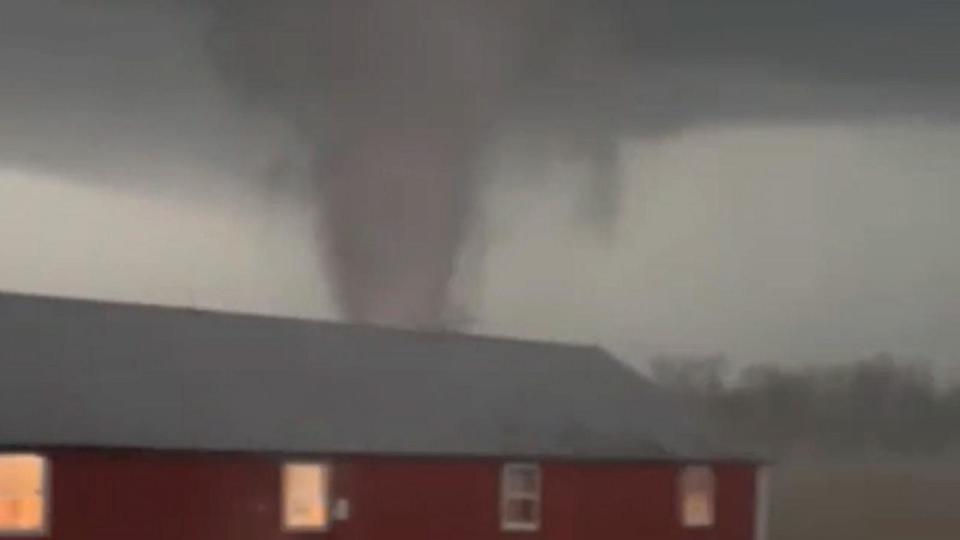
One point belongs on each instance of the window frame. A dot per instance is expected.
(683, 479)
(761, 503)
(507, 496)
(46, 491)
(327, 493)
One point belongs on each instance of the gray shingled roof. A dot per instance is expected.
(90, 374)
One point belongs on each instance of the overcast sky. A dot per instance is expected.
(769, 234)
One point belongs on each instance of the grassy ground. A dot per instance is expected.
(877, 501)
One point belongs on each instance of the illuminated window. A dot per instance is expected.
(306, 495)
(520, 497)
(23, 494)
(697, 497)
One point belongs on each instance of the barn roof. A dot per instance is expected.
(92, 374)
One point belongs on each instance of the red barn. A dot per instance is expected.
(135, 422)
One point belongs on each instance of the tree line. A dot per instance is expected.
(880, 406)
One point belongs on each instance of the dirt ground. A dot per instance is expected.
(876, 501)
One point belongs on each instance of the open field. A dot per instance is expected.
(876, 501)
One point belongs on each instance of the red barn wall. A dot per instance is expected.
(149, 496)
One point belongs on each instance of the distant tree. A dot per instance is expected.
(691, 375)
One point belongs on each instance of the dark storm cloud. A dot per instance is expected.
(678, 63)
(119, 94)
(592, 56)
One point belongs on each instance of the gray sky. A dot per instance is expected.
(780, 217)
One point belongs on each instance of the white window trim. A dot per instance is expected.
(47, 490)
(681, 496)
(328, 493)
(762, 503)
(506, 496)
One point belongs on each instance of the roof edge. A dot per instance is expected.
(413, 456)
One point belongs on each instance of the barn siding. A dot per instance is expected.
(149, 496)
(131, 496)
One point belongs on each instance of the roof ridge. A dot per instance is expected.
(212, 311)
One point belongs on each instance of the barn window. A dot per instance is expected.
(23, 494)
(697, 497)
(306, 496)
(520, 497)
